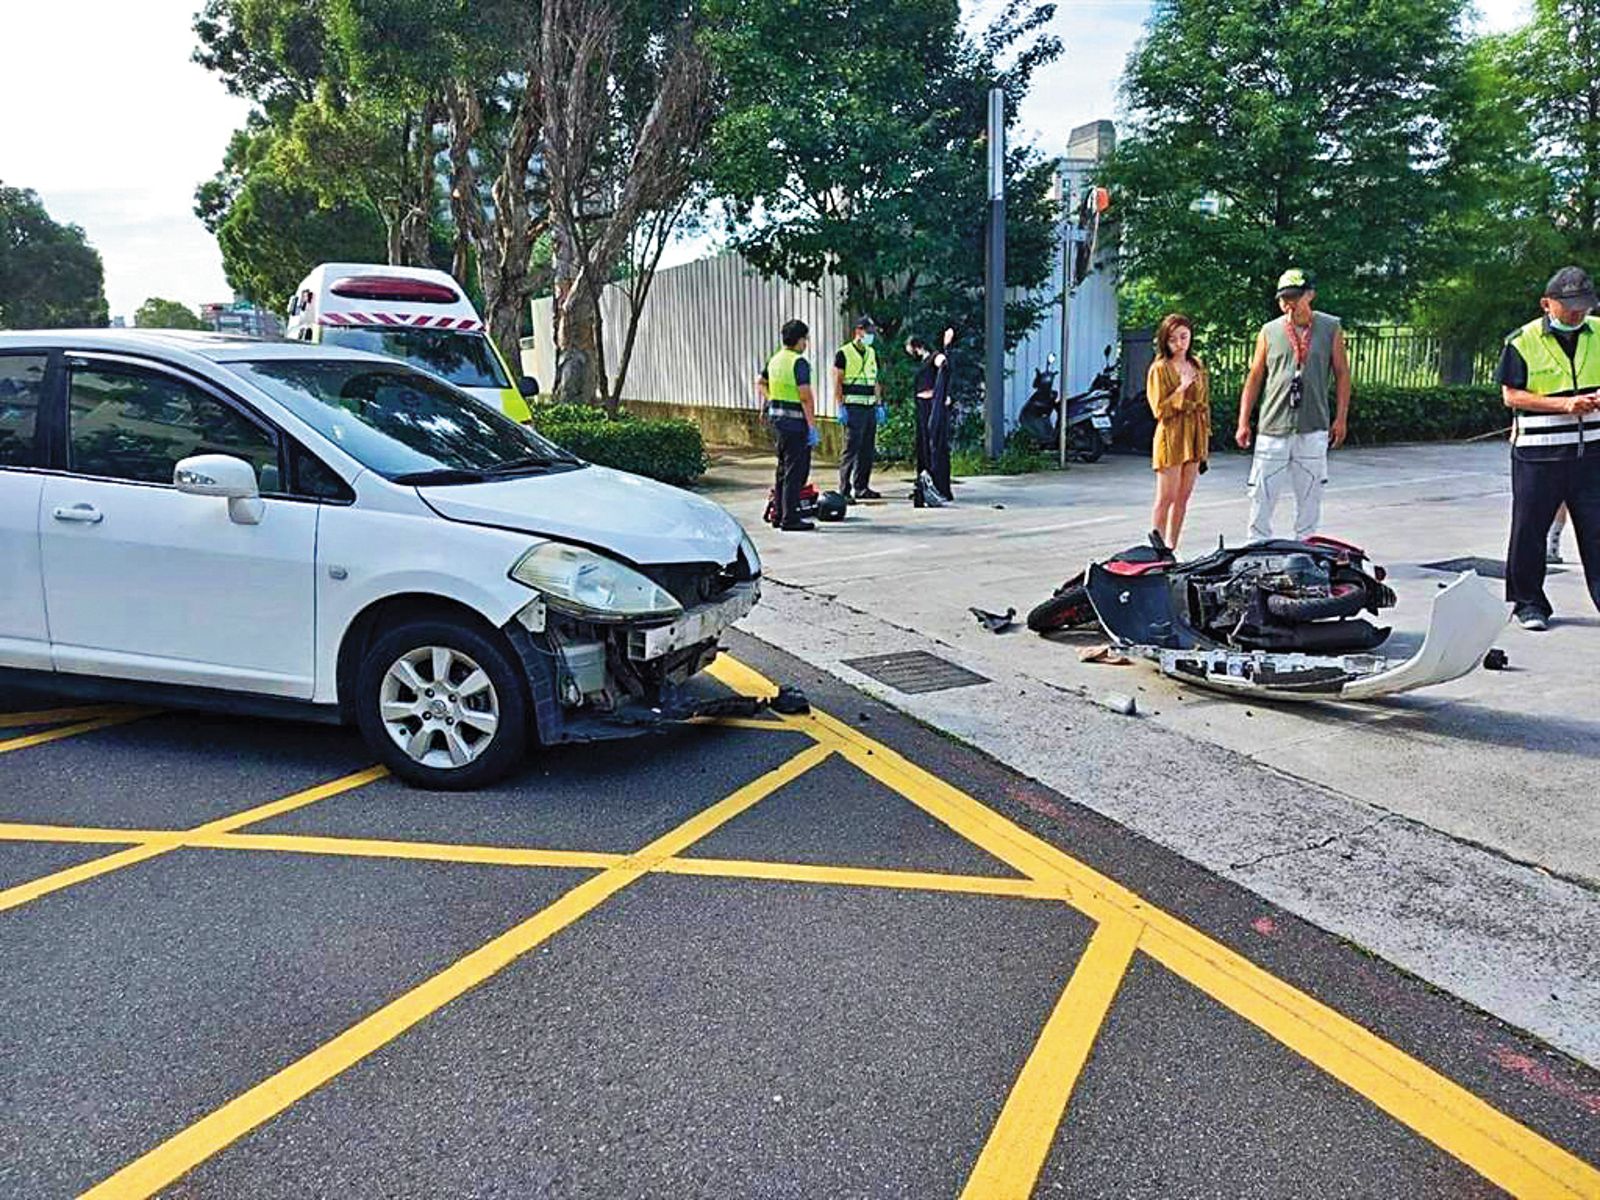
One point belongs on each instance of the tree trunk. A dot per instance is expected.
(578, 336)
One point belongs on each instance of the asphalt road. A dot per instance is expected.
(823, 958)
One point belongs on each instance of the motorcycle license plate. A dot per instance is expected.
(1101, 422)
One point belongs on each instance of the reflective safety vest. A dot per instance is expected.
(860, 374)
(1552, 373)
(783, 393)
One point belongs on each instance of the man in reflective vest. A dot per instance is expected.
(855, 382)
(785, 388)
(1550, 376)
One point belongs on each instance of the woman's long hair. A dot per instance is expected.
(1170, 324)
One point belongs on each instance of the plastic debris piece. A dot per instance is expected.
(790, 701)
(1496, 659)
(995, 622)
(1117, 702)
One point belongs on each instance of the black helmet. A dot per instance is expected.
(830, 507)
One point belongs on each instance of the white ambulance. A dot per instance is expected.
(416, 314)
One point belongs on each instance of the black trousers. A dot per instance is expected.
(860, 448)
(933, 456)
(1538, 489)
(792, 437)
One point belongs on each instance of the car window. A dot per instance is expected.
(463, 359)
(138, 425)
(397, 421)
(21, 393)
(315, 479)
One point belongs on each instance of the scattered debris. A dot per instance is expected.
(790, 701)
(1119, 703)
(1106, 654)
(1496, 659)
(995, 622)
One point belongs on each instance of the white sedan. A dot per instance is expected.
(307, 531)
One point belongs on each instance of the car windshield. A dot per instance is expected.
(462, 358)
(401, 423)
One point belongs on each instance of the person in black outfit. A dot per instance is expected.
(922, 399)
(941, 416)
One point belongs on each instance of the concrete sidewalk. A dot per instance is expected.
(1454, 831)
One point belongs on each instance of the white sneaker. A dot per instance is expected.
(1533, 620)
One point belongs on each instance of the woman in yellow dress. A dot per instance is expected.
(1179, 388)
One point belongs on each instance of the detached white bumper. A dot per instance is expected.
(700, 624)
(1464, 623)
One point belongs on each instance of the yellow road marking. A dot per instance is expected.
(791, 872)
(1503, 1151)
(55, 735)
(499, 856)
(528, 856)
(179, 1154)
(11, 831)
(24, 892)
(1021, 1139)
(55, 716)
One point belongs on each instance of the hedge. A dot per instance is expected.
(671, 451)
(1381, 413)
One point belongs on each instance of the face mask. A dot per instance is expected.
(868, 338)
(1564, 327)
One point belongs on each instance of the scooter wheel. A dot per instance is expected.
(1086, 444)
(1067, 609)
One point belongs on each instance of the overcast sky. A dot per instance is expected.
(109, 121)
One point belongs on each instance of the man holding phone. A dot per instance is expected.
(1549, 375)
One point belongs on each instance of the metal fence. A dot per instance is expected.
(1394, 355)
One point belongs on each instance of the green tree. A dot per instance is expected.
(851, 142)
(1534, 205)
(1271, 132)
(156, 313)
(50, 277)
(272, 229)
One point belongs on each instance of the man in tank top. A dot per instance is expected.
(1302, 375)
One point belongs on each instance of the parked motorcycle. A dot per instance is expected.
(1278, 595)
(1088, 414)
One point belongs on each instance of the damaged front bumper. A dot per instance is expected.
(594, 680)
(1465, 620)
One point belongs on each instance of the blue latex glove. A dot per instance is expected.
(883, 414)
(813, 436)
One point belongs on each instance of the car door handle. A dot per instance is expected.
(86, 514)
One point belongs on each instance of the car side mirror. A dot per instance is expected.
(528, 386)
(224, 476)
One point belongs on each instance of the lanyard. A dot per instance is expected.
(1302, 347)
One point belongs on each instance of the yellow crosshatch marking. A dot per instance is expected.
(1464, 1126)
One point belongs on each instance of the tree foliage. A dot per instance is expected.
(156, 313)
(50, 277)
(1534, 202)
(851, 142)
(272, 229)
(1267, 133)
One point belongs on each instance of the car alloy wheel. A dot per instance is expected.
(439, 707)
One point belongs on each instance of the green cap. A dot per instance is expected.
(1294, 281)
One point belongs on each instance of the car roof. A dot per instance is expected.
(216, 347)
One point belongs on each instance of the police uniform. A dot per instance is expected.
(859, 365)
(1555, 457)
(786, 373)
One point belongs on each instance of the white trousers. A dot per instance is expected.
(1297, 463)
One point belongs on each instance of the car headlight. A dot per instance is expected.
(592, 584)
(752, 558)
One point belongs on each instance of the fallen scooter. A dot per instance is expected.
(1277, 618)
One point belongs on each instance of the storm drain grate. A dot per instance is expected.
(1489, 568)
(915, 671)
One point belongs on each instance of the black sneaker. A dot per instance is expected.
(868, 494)
(1532, 619)
(797, 526)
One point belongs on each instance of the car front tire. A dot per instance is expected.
(443, 705)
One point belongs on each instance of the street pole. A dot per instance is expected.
(994, 334)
